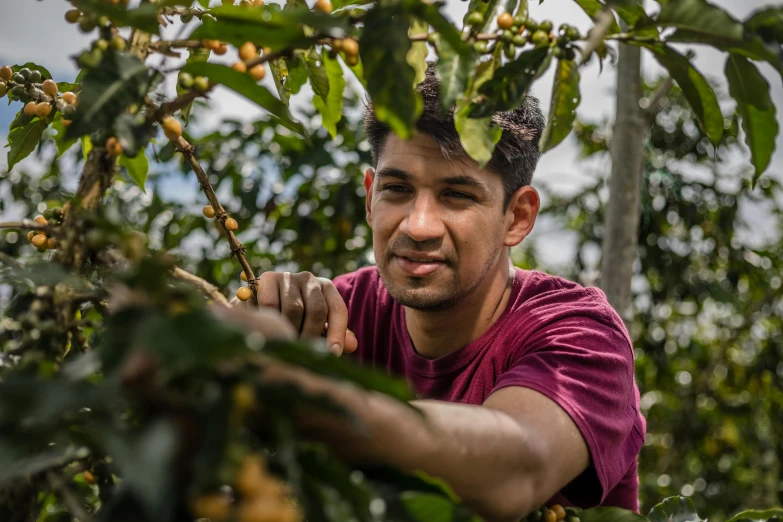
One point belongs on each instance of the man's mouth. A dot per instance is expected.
(419, 267)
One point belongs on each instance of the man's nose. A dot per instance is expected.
(424, 221)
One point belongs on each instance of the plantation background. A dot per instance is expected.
(708, 327)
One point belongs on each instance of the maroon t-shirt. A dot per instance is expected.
(556, 337)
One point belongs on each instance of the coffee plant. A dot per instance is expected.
(125, 394)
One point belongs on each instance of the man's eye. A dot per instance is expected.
(461, 195)
(394, 188)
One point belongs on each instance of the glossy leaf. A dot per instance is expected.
(417, 54)
(33, 67)
(331, 106)
(23, 140)
(485, 8)
(477, 135)
(430, 13)
(510, 84)
(453, 70)
(279, 71)
(137, 168)
(767, 23)
(426, 507)
(565, 100)
(60, 141)
(673, 509)
(751, 91)
(698, 20)
(755, 515)
(144, 17)
(696, 89)
(245, 85)
(593, 8)
(383, 47)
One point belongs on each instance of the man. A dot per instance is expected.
(526, 380)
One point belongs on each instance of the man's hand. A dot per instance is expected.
(312, 305)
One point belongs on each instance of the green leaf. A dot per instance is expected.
(753, 515)
(23, 140)
(33, 67)
(279, 70)
(565, 100)
(273, 28)
(672, 509)
(417, 54)
(383, 47)
(453, 70)
(427, 507)
(751, 90)
(297, 75)
(120, 80)
(137, 169)
(697, 20)
(430, 13)
(86, 146)
(695, 88)
(315, 71)
(592, 8)
(60, 141)
(485, 8)
(21, 120)
(767, 23)
(196, 55)
(477, 135)
(510, 84)
(245, 85)
(610, 514)
(331, 106)
(145, 17)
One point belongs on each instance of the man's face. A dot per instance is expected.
(439, 228)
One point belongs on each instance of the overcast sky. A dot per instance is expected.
(35, 31)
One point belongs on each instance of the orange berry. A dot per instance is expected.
(49, 88)
(243, 276)
(6, 73)
(350, 47)
(213, 506)
(258, 72)
(239, 67)
(67, 123)
(550, 516)
(267, 509)
(43, 109)
(39, 241)
(69, 98)
(351, 60)
(172, 128)
(325, 6)
(89, 478)
(51, 243)
(221, 50)
(505, 21)
(208, 211)
(248, 51)
(31, 235)
(258, 3)
(231, 224)
(559, 511)
(251, 474)
(244, 293)
(41, 220)
(113, 146)
(29, 108)
(337, 44)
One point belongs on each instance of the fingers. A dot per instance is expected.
(315, 308)
(265, 321)
(291, 302)
(351, 342)
(337, 317)
(268, 290)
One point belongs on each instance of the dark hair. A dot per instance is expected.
(516, 155)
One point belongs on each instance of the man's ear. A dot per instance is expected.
(369, 176)
(521, 215)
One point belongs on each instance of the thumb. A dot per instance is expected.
(351, 342)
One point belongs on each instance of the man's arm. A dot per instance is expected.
(502, 459)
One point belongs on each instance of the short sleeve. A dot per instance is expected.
(586, 366)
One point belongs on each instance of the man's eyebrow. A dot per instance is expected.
(469, 181)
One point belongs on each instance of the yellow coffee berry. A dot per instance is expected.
(39, 241)
(89, 478)
(113, 146)
(172, 128)
(239, 67)
(208, 211)
(49, 88)
(325, 6)
(244, 293)
(559, 511)
(350, 47)
(258, 72)
(41, 220)
(29, 108)
(69, 98)
(248, 51)
(231, 224)
(213, 506)
(43, 109)
(550, 516)
(243, 276)
(221, 49)
(51, 243)
(505, 21)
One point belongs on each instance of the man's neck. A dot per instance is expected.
(437, 334)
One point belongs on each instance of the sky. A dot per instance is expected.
(35, 31)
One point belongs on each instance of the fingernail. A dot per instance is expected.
(350, 332)
(336, 349)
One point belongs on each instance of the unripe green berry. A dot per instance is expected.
(519, 40)
(103, 21)
(201, 83)
(101, 44)
(185, 80)
(25, 73)
(481, 47)
(86, 24)
(118, 42)
(186, 18)
(510, 51)
(18, 92)
(546, 26)
(3, 89)
(572, 33)
(69, 111)
(531, 26)
(48, 214)
(506, 36)
(72, 16)
(540, 38)
(35, 77)
(475, 18)
(57, 212)
(18, 78)
(519, 20)
(433, 38)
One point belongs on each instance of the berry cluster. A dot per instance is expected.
(518, 31)
(555, 513)
(51, 217)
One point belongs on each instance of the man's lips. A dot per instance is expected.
(419, 266)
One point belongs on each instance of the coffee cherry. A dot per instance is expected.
(258, 3)
(506, 36)
(86, 24)
(213, 506)
(505, 21)
(573, 518)
(29, 108)
(245, 3)
(171, 128)
(30, 235)
(559, 511)
(72, 16)
(18, 78)
(231, 224)
(350, 47)
(243, 276)
(3, 89)
(337, 44)
(57, 212)
(351, 60)
(325, 6)
(89, 478)
(572, 33)
(550, 516)
(69, 111)
(51, 243)
(185, 80)
(239, 67)
(69, 98)
(25, 73)
(247, 51)
(244, 394)
(546, 26)
(481, 47)
(35, 77)
(186, 18)
(475, 18)
(49, 88)
(258, 72)
(41, 220)
(221, 50)
(251, 475)
(18, 92)
(519, 40)
(113, 146)
(201, 83)
(67, 123)
(43, 109)
(540, 38)
(510, 51)
(208, 211)
(39, 241)
(210, 44)
(6, 73)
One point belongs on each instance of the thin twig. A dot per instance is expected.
(68, 496)
(598, 34)
(27, 224)
(659, 94)
(221, 215)
(265, 58)
(10, 261)
(205, 286)
(164, 45)
(179, 103)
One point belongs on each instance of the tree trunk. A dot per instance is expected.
(623, 208)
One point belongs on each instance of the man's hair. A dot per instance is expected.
(515, 157)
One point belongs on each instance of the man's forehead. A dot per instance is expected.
(423, 155)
